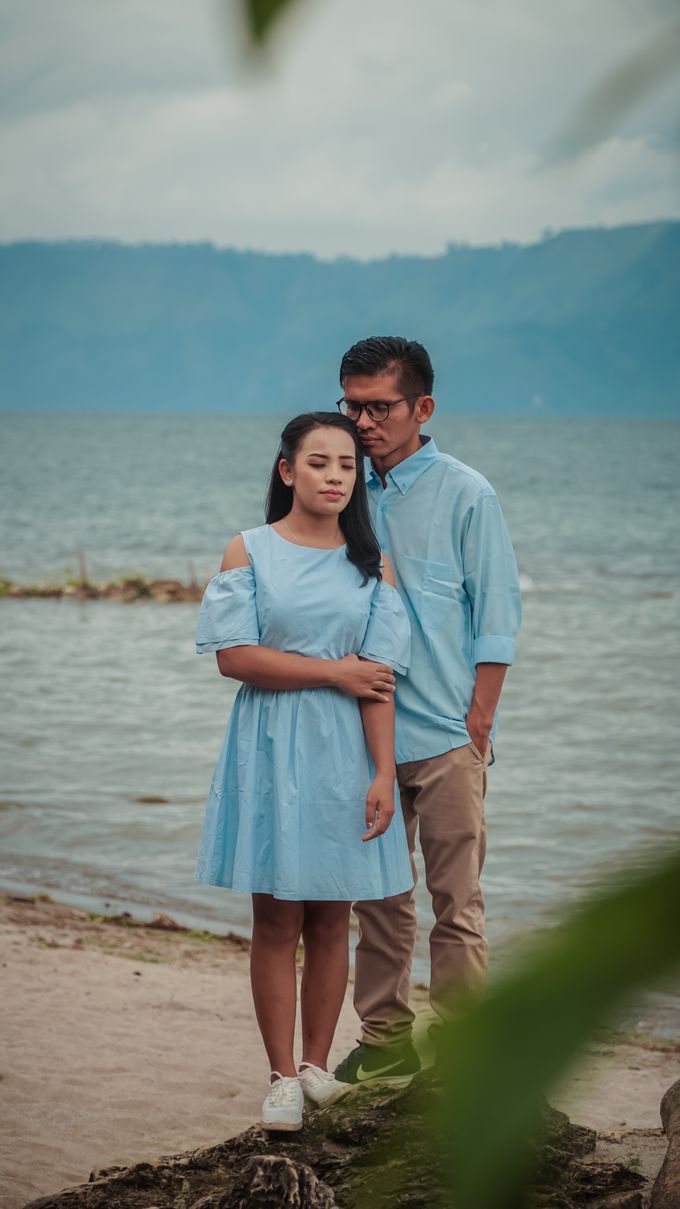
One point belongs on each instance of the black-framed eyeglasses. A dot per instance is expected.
(378, 409)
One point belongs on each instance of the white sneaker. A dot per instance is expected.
(320, 1085)
(283, 1107)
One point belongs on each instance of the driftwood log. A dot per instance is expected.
(366, 1150)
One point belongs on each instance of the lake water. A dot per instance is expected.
(104, 704)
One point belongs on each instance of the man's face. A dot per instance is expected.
(399, 434)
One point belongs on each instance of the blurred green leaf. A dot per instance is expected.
(507, 1048)
(262, 15)
(600, 112)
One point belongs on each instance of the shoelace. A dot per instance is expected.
(283, 1091)
(323, 1076)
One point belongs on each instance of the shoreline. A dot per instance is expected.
(127, 1039)
(650, 1018)
(111, 905)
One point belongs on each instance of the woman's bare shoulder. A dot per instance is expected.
(235, 554)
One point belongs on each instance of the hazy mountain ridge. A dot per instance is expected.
(585, 321)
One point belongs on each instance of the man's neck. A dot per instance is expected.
(383, 465)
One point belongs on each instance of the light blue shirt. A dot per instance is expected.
(442, 526)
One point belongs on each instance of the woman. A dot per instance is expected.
(304, 613)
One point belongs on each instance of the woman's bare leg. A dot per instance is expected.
(325, 936)
(276, 932)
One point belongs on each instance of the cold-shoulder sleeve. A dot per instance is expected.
(228, 614)
(388, 633)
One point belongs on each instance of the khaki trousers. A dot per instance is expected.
(443, 799)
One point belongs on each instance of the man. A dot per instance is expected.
(441, 525)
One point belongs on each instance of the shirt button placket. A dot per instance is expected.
(380, 521)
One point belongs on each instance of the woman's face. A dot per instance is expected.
(324, 471)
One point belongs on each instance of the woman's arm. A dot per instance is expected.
(268, 668)
(378, 722)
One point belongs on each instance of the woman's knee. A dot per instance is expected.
(277, 923)
(326, 923)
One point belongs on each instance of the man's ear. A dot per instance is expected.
(424, 409)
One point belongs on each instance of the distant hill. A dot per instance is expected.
(584, 322)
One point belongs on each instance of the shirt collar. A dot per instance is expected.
(405, 473)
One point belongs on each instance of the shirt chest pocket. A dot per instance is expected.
(433, 589)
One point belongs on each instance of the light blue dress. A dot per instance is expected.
(286, 808)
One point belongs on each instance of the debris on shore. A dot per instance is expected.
(126, 590)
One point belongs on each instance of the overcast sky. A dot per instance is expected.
(379, 126)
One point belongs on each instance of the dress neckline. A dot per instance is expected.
(298, 546)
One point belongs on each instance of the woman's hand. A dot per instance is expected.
(379, 806)
(363, 678)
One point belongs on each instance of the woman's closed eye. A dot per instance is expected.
(346, 469)
(344, 466)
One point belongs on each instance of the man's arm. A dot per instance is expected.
(492, 584)
(485, 698)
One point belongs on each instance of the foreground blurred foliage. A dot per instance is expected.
(593, 120)
(503, 1052)
(628, 83)
(262, 15)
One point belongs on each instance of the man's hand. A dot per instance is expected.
(487, 690)
(362, 678)
(379, 806)
(479, 728)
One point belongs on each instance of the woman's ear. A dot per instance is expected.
(286, 472)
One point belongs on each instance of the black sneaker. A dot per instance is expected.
(394, 1064)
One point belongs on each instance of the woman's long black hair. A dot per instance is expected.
(362, 544)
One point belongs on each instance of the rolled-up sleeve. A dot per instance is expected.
(491, 582)
(228, 612)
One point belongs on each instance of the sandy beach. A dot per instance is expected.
(125, 1042)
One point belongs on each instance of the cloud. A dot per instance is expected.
(376, 129)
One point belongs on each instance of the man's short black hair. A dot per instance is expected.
(382, 354)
